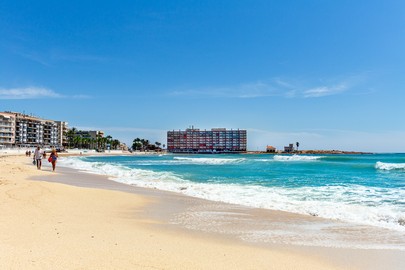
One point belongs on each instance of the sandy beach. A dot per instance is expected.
(74, 220)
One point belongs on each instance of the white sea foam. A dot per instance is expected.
(208, 161)
(296, 158)
(263, 159)
(119, 173)
(381, 207)
(389, 166)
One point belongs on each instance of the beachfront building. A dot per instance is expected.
(61, 133)
(7, 130)
(27, 131)
(90, 134)
(289, 148)
(270, 149)
(216, 140)
(86, 139)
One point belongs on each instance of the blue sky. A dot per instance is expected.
(329, 74)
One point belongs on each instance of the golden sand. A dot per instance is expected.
(56, 226)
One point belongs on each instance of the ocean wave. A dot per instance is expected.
(338, 158)
(296, 158)
(123, 174)
(381, 207)
(389, 166)
(263, 160)
(208, 161)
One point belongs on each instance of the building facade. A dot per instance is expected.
(7, 130)
(90, 134)
(216, 140)
(27, 131)
(88, 138)
(289, 148)
(62, 131)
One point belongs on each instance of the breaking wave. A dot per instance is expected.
(296, 158)
(380, 207)
(389, 166)
(208, 161)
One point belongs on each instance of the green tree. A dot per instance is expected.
(77, 140)
(108, 140)
(92, 143)
(136, 144)
(70, 135)
(99, 142)
(86, 143)
(145, 144)
(115, 144)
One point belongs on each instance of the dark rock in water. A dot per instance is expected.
(313, 214)
(401, 222)
(183, 188)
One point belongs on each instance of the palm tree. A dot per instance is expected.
(136, 144)
(115, 144)
(70, 134)
(104, 141)
(92, 143)
(99, 143)
(77, 140)
(86, 143)
(142, 144)
(108, 140)
(145, 144)
(158, 144)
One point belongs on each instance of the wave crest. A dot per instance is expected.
(333, 202)
(208, 161)
(389, 166)
(296, 158)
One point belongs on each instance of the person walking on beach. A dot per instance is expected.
(52, 158)
(38, 157)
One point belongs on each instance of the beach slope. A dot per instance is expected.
(55, 226)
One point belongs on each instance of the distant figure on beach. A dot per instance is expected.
(53, 157)
(38, 157)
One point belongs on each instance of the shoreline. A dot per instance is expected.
(158, 208)
(87, 152)
(334, 214)
(276, 226)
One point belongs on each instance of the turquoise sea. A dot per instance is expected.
(359, 189)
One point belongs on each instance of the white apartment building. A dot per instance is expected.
(28, 131)
(7, 130)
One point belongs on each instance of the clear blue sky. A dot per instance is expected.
(329, 74)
